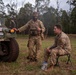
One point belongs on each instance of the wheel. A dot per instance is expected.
(11, 50)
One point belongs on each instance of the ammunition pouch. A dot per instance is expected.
(34, 32)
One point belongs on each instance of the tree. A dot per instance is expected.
(72, 15)
(41, 5)
(49, 20)
(11, 13)
(25, 14)
(65, 21)
(73, 3)
(57, 12)
(11, 9)
(2, 7)
(73, 20)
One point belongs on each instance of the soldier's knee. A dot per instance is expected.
(30, 47)
(53, 51)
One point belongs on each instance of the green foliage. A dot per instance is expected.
(25, 14)
(72, 16)
(2, 9)
(11, 8)
(73, 20)
(49, 15)
(65, 21)
(49, 19)
(42, 5)
(73, 3)
(73, 72)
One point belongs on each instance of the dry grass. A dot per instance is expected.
(22, 67)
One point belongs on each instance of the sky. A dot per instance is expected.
(62, 3)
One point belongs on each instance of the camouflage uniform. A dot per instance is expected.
(12, 24)
(35, 37)
(62, 46)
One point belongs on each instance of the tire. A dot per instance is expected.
(12, 50)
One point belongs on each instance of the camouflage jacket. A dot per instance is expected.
(62, 41)
(31, 25)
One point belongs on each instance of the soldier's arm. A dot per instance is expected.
(50, 48)
(24, 27)
(42, 27)
(53, 46)
(63, 42)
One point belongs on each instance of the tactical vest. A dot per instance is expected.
(33, 29)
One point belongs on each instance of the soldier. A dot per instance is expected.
(36, 29)
(61, 46)
(12, 23)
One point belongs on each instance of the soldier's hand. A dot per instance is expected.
(48, 49)
(38, 28)
(16, 29)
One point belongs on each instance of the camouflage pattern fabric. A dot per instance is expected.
(61, 46)
(35, 37)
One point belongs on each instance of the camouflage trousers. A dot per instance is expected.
(53, 54)
(34, 44)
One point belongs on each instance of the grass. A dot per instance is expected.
(22, 67)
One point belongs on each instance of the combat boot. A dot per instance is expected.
(34, 59)
(28, 57)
